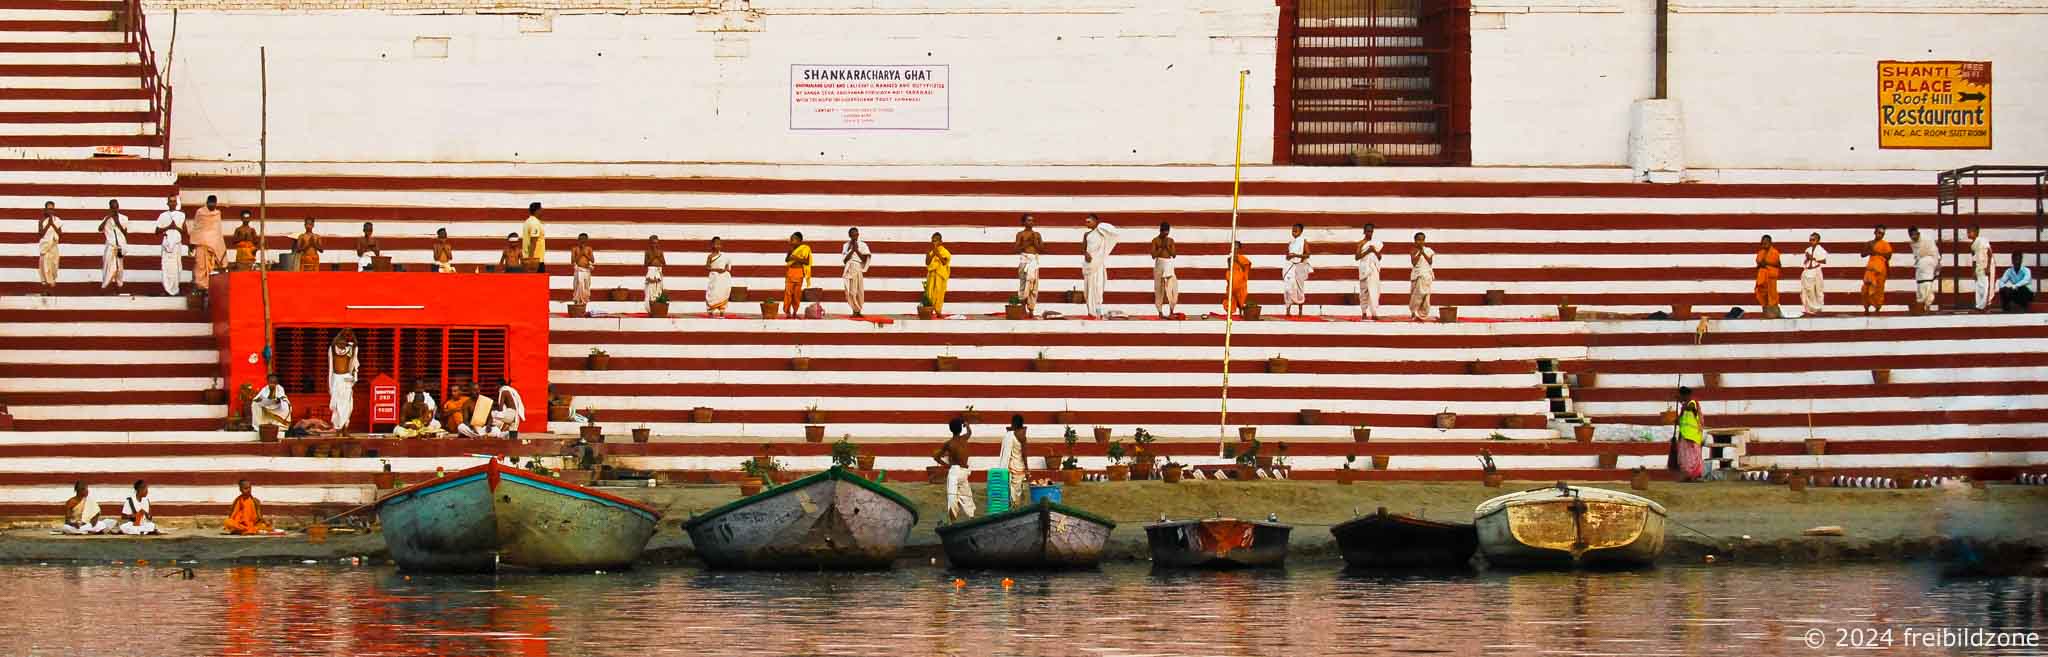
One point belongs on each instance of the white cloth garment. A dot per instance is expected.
(1926, 267)
(510, 411)
(1982, 268)
(341, 387)
(1098, 243)
(1027, 281)
(129, 508)
(1811, 298)
(855, 273)
(959, 496)
(1297, 272)
(1369, 279)
(115, 234)
(718, 282)
(47, 249)
(270, 406)
(1165, 285)
(85, 519)
(1421, 276)
(580, 293)
(173, 223)
(654, 289)
(433, 409)
(1011, 458)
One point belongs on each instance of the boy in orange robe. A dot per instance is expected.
(246, 516)
(1768, 265)
(1875, 271)
(1240, 277)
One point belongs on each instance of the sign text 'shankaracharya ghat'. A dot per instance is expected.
(1934, 105)
(868, 98)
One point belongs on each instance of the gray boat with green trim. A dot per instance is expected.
(833, 520)
(1040, 536)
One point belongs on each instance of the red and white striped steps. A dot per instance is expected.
(107, 364)
(70, 83)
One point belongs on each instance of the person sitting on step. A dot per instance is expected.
(82, 515)
(136, 518)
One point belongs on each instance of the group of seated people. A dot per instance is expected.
(466, 414)
(82, 515)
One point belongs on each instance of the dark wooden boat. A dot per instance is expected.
(1392, 540)
(1570, 526)
(497, 516)
(1040, 536)
(833, 520)
(1217, 543)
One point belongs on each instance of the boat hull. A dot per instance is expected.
(1386, 540)
(830, 521)
(482, 520)
(1613, 530)
(1043, 536)
(1217, 543)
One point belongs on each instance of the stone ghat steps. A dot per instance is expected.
(107, 364)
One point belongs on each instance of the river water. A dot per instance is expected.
(1309, 609)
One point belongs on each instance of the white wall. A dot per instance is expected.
(1041, 81)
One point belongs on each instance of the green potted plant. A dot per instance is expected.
(1246, 456)
(770, 309)
(1141, 454)
(1070, 469)
(658, 307)
(1279, 459)
(590, 432)
(924, 307)
(844, 453)
(1566, 312)
(559, 405)
(760, 474)
(1347, 475)
(1117, 470)
(1266, 462)
(1171, 471)
(1014, 310)
(599, 360)
(812, 415)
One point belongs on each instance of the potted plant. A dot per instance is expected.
(599, 360)
(1492, 479)
(1347, 475)
(659, 306)
(214, 394)
(1117, 470)
(1588, 379)
(559, 405)
(579, 309)
(1014, 310)
(1583, 433)
(1566, 312)
(1041, 363)
(1075, 296)
(1311, 417)
(641, 434)
(1816, 447)
(1102, 435)
(1251, 311)
(814, 433)
(1247, 460)
(1276, 365)
(844, 453)
(1510, 422)
(620, 294)
(770, 309)
(1881, 377)
(760, 474)
(701, 414)
(266, 433)
(1141, 454)
(1668, 417)
(1496, 297)
(1361, 434)
(1247, 433)
(1640, 480)
(590, 432)
(1382, 462)
(1712, 379)
(1278, 460)
(1070, 469)
(1446, 420)
(924, 307)
(1449, 314)
(1681, 311)
(739, 295)
(1171, 471)
(1063, 417)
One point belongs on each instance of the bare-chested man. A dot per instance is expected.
(1029, 245)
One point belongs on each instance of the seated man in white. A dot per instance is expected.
(82, 515)
(136, 520)
(480, 422)
(270, 406)
(511, 409)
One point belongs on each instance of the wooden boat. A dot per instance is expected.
(1040, 536)
(1568, 526)
(495, 515)
(1217, 543)
(1392, 540)
(833, 520)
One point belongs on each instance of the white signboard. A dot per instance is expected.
(868, 98)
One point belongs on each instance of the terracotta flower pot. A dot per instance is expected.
(1346, 476)
(1583, 433)
(1250, 313)
(1245, 434)
(1265, 462)
(384, 480)
(1063, 417)
(558, 412)
(1567, 313)
(1511, 422)
(1449, 314)
(1609, 460)
(380, 263)
(1072, 477)
(750, 487)
(1640, 480)
(657, 309)
(642, 434)
(1796, 481)
(814, 433)
(1170, 474)
(1361, 434)
(1492, 479)
(1588, 379)
(1119, 472)
(1014, 312)
(267, 433)
(701, 414)
(926, 312)
(1246, 473)
(1350, 298)
(1041, 364)
(865, 461)
(800, 363)
(1816, 447)
(1141, 470)
(1681, 311)
(1881, 377)
(213, 396)
(1496, 297)
(579, 310)
(1276, 365)
(1447, 420)
(739, 295)
(599, 362)
(590, 433)
(1102, 435)
(619, 294)
(1712, 379)
(770, 309)
(1382, 462)
(946, 363)
(1311, 417)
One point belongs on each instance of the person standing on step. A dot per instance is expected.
(938, 271)
(796, 275)
(1237, 280)
(1165, 284)
(1686, 438)
(114, 231)
(49, 237)
(1096, 245)
(209, 249)
(2015, 288)
(582, 260)
(654, 260)
(853, 270)
(1876, 270)
(1421, 277)
(170, 231)
(367, 248)
(1926, 267)
(246, 240)
(1012, 459)
(444, 253)
(510, 259)
(953, 456)
(717, 280)
(1369, 251)
(1295, 276)
(1982, 264)
(1769, 265)
(533, 241)
(1029, 244)
(307, 245)
(1811, 298)
(342, 366)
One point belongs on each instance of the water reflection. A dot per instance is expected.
(1310, 609)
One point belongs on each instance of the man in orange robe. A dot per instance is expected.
(246, 516)
(1768, 264)
(796, 276)
(1875, 271)
(1240, 277)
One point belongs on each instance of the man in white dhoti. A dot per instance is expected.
(1297, 272)
(1981, 266)
(509, 411)
(1811, 298)
(1421, 276)
(1165, 284)
(1096, 245)
(1369, 251)
(854, 258)
(270, 406)
(170, 229)
(342, 366)
(717, 280)
(1011, 458)
(1029, 244)
(1926, 266)
(953, 455)
(582, 259)
(49, 236)
(82, 515)
(114, 230)
(136, 519)
(655, 259)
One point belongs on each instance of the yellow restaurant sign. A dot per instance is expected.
(1934, 105)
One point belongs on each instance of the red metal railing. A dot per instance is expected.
(154, 85)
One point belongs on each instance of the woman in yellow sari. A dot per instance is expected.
(938, 268)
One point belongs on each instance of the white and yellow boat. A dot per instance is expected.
(1569, 526)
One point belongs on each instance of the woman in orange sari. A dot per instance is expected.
(1239, 278)
(1875, 271)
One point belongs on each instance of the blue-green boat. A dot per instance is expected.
(833, 520)
(497, 516)
(1040, 536)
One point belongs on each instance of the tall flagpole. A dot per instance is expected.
(263, 197)
(1236, 183)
